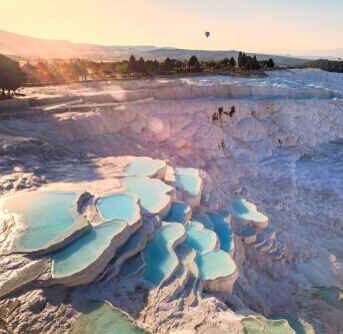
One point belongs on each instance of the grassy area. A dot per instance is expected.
(260, 325)
(101, 318)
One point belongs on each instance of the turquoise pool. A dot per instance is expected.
(159, 255)
(101, 318)
(151, 192)
(119, 207)
(47, 216)
(246, 231)
(199, 238)
(178, 212)
(203, 219)
(144, 166)
(244, 209)
(85, 250)
(188, 180)
(223, 230)
(215, 264)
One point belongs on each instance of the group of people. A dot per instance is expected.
(218, 115)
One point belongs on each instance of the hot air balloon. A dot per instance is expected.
(207, 34)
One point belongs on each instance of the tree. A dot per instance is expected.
(132, 65)
(77, 71)
(193, 64)
(247, 62)
(177, 65)
(168, 65)
(11, 75)
(108, 69)
(47, 73)
(270, 63)
(241, 59)
(30, 73)
(122, 67)
(140, 66)
(225, 63)
(255, 65)
(232, 62)
(156, 67)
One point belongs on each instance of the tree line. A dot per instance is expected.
(251, 63)
(59, 71)
(13, 76)
(244, 62)
(326, 65)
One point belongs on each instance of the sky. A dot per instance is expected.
(283, 26)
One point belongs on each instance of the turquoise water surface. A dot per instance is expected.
(47, 215)
(215, 264)
(118, 207)
(223, 230)
(199, 238)
(159, 255)
(101, 318)
(151, 192)
(246, 231)
(188, 179)
(203, 219)
(178, 212)
(85, 250)
(244, 209)
(144, 166)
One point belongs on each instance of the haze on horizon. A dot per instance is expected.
(298, 27)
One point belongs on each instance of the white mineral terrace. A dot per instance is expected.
(133, 193)
(113, 220)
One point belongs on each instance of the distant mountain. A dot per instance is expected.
(29, 47)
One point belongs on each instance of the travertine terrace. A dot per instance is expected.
(163, 192)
